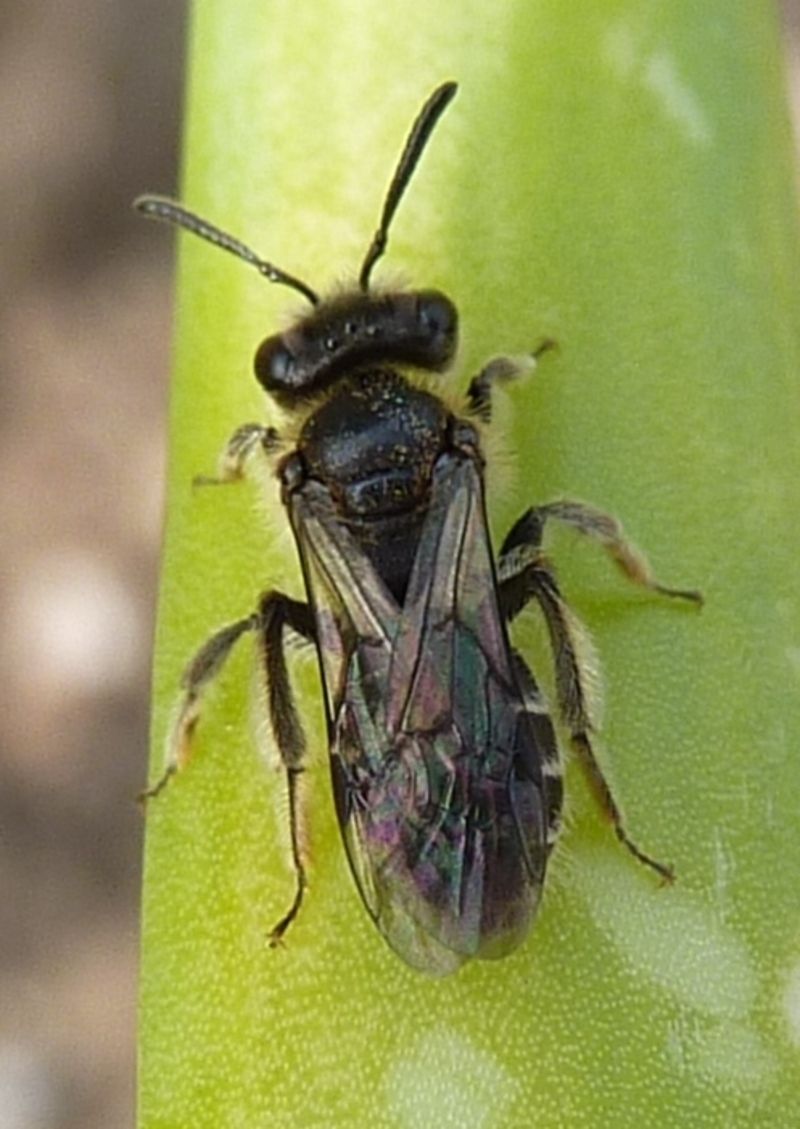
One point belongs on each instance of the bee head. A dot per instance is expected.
(418, 328)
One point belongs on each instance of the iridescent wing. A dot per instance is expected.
(436, 761)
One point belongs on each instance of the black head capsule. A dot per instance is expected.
(417, 328)
(357, 328)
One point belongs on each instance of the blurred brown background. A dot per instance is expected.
(90, 96)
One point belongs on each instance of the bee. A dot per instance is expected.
(445, 767)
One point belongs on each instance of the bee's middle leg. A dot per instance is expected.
(196, 678)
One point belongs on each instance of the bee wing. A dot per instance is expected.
(436, 760)
(351, 604)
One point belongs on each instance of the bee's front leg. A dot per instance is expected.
(479, 391)
(247, 439)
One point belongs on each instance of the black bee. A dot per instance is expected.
(445, 767)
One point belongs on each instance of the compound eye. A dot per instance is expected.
(438, 318)
(274, 365)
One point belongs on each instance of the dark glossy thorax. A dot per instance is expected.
(373, 444)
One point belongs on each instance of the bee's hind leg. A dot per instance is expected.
(278, 613)
(525, 575)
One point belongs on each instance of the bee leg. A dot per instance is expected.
(575, 672)
(608, 531)
(479, 392)
(276, 614)
(520, 549)
(552, 771)
(246, 439)
(573, 682)
(200, 672)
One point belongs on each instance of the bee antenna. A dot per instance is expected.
(161, 208)
(421, 131)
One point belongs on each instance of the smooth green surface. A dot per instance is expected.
(618, 176)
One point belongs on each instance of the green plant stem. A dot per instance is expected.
(617, 176)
